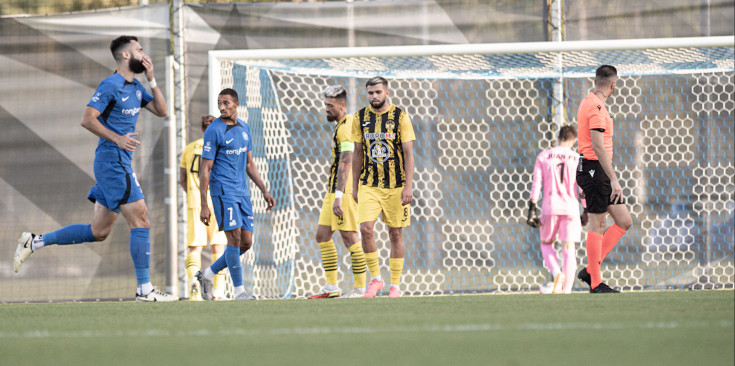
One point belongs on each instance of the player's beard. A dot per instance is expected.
(378, 105)
(331, 118)
(136, 66)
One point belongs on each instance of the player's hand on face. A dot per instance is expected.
(406, 195)
(204, 215)
(148, 64)
(127, 142)
(337, 207)
(269, 200)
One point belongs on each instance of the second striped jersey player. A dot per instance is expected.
(339, 210)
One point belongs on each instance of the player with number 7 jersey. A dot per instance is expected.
(227, 162)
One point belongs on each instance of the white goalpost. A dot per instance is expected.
(481, 114)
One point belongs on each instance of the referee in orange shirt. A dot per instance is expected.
(596, 176)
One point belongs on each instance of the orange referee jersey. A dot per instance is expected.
(592, 114)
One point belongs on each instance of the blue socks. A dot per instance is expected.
(72, 234)
(220, 263)
(140, 250)
(232, 255)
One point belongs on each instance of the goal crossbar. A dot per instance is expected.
(216, 56)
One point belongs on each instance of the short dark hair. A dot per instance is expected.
(118, 45)
(206, 121)
(604, 73)
(567, 133)
(377, 80)
(231, 92)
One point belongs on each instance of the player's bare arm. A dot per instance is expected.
(407, 194)
(598, 146)
(356, 169)
(91, 123)
(343, 171)
(205, 168)
(182, 178)
(158, 104)
(252, 171)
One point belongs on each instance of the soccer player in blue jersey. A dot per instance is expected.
(226, 158)
(112, 114)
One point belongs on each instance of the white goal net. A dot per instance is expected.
(481, 115)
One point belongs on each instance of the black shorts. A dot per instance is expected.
(596, 186)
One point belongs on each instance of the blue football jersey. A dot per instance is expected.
(119, 103)
(228, 146)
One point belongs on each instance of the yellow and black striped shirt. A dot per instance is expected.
(381, 136)
(341, 134)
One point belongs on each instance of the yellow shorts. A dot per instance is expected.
(198, 234)
(372, 201)
(348, 222)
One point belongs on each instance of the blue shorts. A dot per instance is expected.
(233, 212)
(116, 184)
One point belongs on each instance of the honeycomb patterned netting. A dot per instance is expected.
(480, 121)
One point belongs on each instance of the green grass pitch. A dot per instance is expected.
(638, 328)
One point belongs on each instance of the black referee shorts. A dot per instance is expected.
(596, 186)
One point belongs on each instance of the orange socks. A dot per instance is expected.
(610, 238)
(598, 247)
(594, 257)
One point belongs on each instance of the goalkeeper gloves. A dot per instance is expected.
(532, 219)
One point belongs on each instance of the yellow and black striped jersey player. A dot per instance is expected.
(383, 167)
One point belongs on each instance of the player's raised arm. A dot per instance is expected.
(205, 168)
(252, 171)
(158, 107)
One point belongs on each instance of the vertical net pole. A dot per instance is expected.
(558, 83)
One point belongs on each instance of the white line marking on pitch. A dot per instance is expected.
(153, 333)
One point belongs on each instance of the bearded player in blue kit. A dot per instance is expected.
(112, 114)
(226, 158)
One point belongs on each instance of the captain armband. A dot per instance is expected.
(347, 146)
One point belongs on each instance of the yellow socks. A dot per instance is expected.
(358, 264)
(372, 263)
(329, 261)
(218, 283)
(396, 269)
(193, 263)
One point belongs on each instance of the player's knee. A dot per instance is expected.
(321, 238)
(101, 234)
(245, 245)
(366, 232)
(218, 249)
(625, 223)
(599, 227)
(395, 234)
